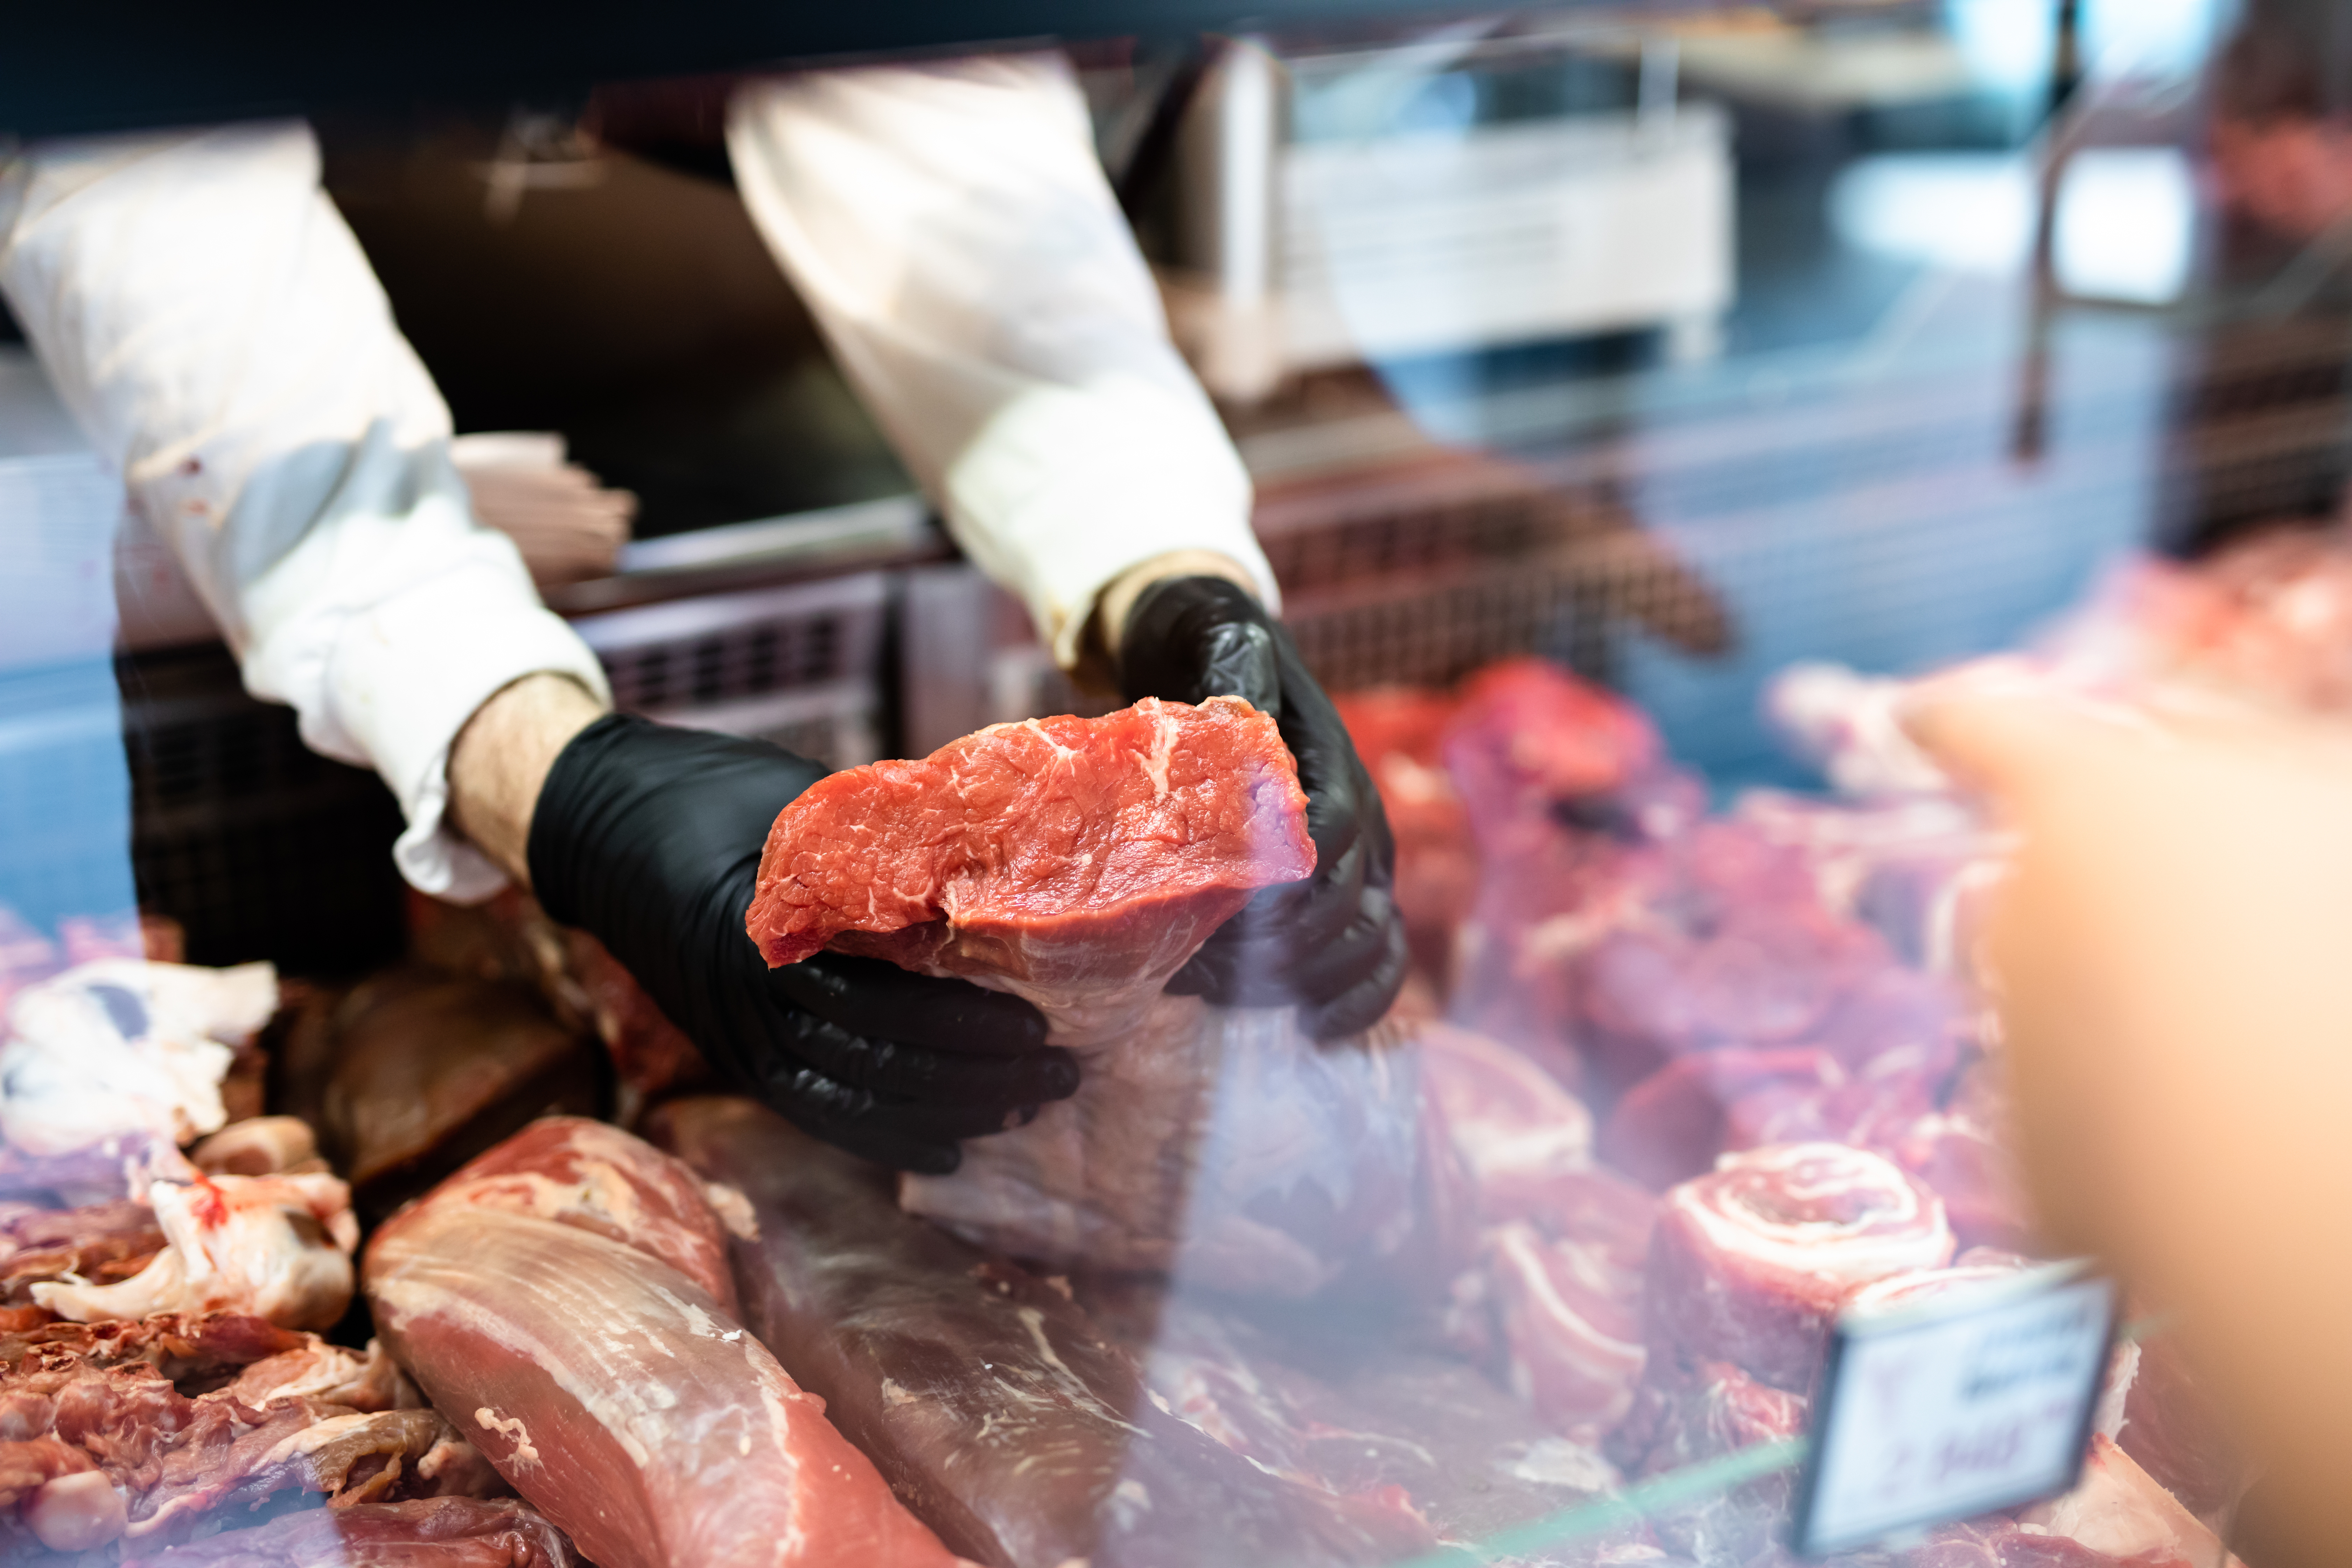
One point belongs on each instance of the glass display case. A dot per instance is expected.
(1637, 403)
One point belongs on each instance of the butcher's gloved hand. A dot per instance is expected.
(649, 838)
(1332, 945)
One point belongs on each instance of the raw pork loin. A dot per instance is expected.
(1079, 862)
(1751, 1262)
(598, 1364)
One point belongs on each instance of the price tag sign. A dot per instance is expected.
(1976, 1400)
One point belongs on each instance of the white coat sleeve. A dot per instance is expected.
(952, 232)
(214, 327)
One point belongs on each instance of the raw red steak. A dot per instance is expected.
(1518, 1132)
(596, 1362)
(1079, 862)
(1396, 730)
(1751, 1263)
(1708, 1411)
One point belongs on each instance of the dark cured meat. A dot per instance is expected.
(996, 1406)
(429, 1532)
(414, 1071)
(534, 1298)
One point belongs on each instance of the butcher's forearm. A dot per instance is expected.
(501, 759)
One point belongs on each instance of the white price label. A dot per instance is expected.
(1977, 1400)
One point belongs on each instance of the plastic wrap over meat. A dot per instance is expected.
(1751, 1262)
(145, 1434)
(600, 1368)
(1080, 863)
(424, 1532)
(996, 1409)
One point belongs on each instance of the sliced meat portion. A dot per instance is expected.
(997, 1409)
(1751, 1263)
(1079, 862)
(1571, 1321)
(151, 1432)
(425, 1532)
(614, 1390)
(1518, 1132)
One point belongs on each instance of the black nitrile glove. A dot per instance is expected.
(1332, 945)
(649, 838)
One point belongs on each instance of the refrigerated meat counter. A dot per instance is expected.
(398, 1231)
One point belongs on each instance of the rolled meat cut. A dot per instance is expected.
(1572, 1322)
(1080, 863)
(998, 1409)
(1750, 1262)
(564, 1301)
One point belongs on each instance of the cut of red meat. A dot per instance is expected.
(2120, 1513)
(101, 1243)
(428, 1533)
(1750, 1262)
(609, 1385)
(1079, 862)
(1396, 731)
(2173, 1430)
(1571, 1321)
(1712, 1409)
(1518, 1132)
(1528, 735)
(996, 1406)
(1670, 1126)
(1976, 1177)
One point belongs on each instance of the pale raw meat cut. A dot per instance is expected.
(996, 1409)
(277, 1247)
(2120, 1512)
(148, 1433)
(597, 1365)
(259, 1146)
(1751, 1263)
(1518, 1132)
(425, 1532)
(1080, 863)
(1572, 1322)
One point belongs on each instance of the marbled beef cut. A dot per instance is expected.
(996, 1406)
(565, 1300)
(1751, 1263)
(1079, 862)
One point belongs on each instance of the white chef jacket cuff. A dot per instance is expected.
(1065, 488)
(410, 672)
(390, 683)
